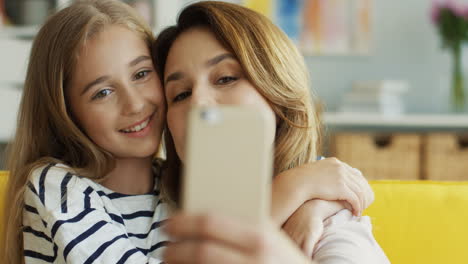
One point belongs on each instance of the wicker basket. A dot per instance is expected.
(446, 156)
(380, 156)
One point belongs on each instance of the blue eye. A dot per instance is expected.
(182, 96)
(141, 74)
(226, 80)
(101, 94)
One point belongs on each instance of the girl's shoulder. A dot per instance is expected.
(54, 175)
(50, 168)
(50, 185)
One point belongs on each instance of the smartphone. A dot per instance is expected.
(228, 166)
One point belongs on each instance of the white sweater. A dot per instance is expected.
(348, 239)
(70, 219)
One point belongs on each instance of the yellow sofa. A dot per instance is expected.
(415, 222)
(3, 182)
(421, 221)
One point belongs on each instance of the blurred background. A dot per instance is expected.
(380, 67)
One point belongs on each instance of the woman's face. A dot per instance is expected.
(201, 72)
(116, 96)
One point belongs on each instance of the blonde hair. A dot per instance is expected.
(46, 132)
(272, 64)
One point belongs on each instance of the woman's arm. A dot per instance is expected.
(305, 226)
(214, 239)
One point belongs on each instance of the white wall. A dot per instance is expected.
(405, 46)
(13, 62)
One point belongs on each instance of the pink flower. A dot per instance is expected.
(437, 6)
(457, 8)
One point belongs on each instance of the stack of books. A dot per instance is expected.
(382, 97)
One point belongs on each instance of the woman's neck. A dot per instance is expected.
(131, 176)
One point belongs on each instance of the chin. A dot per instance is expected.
(137, 153)
(148, 153)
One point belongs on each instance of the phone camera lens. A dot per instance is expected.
(212, 116)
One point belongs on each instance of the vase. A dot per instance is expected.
(458, 82)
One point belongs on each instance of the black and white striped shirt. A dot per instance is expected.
(71, 219)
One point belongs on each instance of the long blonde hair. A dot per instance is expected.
(46, 132)
(272, 64)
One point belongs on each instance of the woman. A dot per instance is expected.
(220, 53)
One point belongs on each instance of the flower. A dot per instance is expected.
(451, 19)
(435, 13)
(456, 8)
(437, 6)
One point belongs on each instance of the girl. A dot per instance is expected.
(84, 184)
(220, 53)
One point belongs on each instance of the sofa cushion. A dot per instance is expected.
(421, 221)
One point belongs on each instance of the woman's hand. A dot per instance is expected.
(327, 179)
(305, 226)
(214, 239)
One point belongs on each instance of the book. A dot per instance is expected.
(387, 86)
(384, 97)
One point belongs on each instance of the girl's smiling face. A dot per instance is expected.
(201, 71)
(116, 96)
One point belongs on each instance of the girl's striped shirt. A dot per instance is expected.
(72, 219)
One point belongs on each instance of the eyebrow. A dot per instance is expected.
(210, 63)
(218, 59)
(138, 60)
(95, 82)
(107, 77)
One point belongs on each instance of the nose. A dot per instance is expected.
(133, 101)
(203, 96)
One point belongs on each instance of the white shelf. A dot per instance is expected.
(404, 121)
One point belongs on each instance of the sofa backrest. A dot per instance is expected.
(3, 183)
(421, 221)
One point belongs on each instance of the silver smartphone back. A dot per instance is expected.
(228, 166)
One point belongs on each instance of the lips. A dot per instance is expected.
(137, 126)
